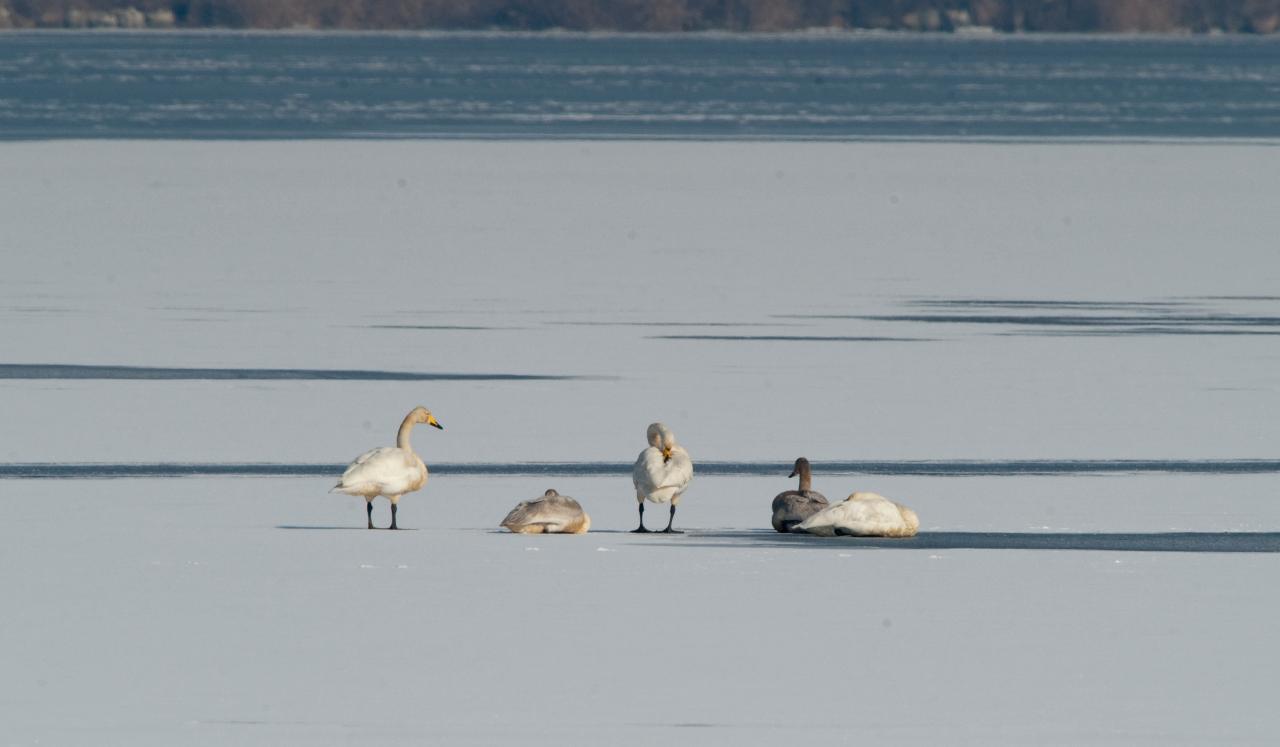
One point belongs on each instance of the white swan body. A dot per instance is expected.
(390, 470)
(862, 515)
(662, 472)
(550, 513)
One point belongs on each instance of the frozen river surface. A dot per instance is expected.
(1062, 356)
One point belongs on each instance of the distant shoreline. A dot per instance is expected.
(817, 34)
(980, 17)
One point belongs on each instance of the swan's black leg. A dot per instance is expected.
(641, 530)
(369, 511)
(669, 530)
(393, 517)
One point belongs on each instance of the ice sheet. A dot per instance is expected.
(727, 289)
(585, 259)
(259, 611)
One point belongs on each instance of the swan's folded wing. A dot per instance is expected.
(679, 470)
(647, 472)
(387, 465)
(568, 506)
(372, 455)
(793, 507)
(554, 515)
(818, 522)
(521, 515)
(807, 502)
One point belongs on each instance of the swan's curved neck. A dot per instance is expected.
(806, 479)
(402, 437)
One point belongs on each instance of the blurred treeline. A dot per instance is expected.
(1253, 16)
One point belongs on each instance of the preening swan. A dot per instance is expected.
(794, 506)
(862, 515)
(550, 514)
(662, 473)
(391, 470)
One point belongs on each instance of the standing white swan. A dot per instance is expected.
(794, 506)
(391, 470)
(551, 513)
(662, 473)
(862, 515)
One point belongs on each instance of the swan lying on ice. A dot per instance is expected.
(862, 515)
(794, 506)
(550, 514)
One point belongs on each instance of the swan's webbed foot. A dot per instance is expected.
(669, 530)
(641, 530)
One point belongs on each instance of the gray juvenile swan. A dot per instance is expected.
(662, 473)
(391, 470)
(551, 513)
(794, 506)
(862, 515)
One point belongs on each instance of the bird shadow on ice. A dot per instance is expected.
(1186, 542)
(334, 528)
(487, 530)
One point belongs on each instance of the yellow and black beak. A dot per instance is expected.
(666, 453)
(432, 421)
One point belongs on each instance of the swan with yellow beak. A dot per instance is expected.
(662, 473)
(390, 470)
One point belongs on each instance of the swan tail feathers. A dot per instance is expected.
(910, 522)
